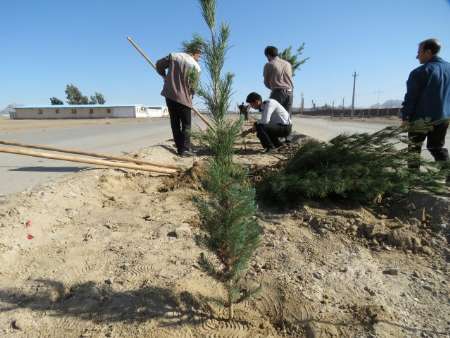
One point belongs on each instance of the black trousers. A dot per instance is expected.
(284, 97)
(435, 143)
(180, 121)
(268, 134)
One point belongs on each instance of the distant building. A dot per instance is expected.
(86, 112)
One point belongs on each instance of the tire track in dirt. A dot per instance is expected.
(223, 328)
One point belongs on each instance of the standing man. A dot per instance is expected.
(428, 98)
(275, 121)
(278, 78)
(180, 83)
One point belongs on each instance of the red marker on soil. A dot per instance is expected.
(30, 236)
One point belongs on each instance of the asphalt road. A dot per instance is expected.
(18, 173)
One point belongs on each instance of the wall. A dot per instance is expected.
(62, 113)
(87, 112)
(370, 112)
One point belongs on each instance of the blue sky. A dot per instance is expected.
(46, 44)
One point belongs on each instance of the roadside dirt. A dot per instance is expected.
(111, 253)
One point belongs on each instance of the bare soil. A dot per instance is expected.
(112, 253)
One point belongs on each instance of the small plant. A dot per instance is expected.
(227, 213)
(294, 59)
(359, 167)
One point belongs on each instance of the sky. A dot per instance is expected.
(47, 44)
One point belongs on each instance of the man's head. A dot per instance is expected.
(194, 47)
(271, 52)
(427, 49)
(254, 100)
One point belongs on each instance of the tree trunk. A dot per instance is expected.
(230, 301)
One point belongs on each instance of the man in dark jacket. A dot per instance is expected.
(428, 98)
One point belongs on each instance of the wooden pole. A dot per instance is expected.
(79, 152)
(86, 160)
(139, 49)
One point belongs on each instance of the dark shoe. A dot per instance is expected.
(186, 153)
(268, 150)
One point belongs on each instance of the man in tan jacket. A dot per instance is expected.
(181, 73)
(278, 78)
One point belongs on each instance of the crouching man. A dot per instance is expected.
(275, 121)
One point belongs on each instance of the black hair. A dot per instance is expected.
(271, 51)
(252, 97)
(433, 45)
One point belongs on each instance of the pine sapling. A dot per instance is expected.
(227, 213)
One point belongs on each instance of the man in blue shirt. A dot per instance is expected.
(428, 98)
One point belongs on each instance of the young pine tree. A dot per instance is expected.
(227, 213)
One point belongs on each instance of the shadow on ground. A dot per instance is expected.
(101, 304)
(50, 169)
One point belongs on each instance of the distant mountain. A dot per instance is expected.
(389, 104)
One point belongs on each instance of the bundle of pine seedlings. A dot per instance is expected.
(359, 167)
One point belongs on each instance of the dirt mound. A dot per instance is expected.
(112, 254)
(191, 178)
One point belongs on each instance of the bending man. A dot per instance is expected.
(180, 82)
(275, 121)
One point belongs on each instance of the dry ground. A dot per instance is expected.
(111, 253)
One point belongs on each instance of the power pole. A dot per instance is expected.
(302, 104)
(378, 92)
(353, 96)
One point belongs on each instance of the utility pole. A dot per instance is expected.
(302, 106)
(378, 92)
(353, 96)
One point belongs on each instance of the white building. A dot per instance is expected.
(90, 111)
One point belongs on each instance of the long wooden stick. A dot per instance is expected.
(139, 49)
(86, 160)
(79, 152)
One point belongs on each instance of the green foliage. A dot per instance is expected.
(294, 59)
(358, 167)
(55, 101)
(74, 96)
(209, 12)
(97, 99)
(193, 80)
(220, 139)
(227, 213)
(196, 44)
(227, 217)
